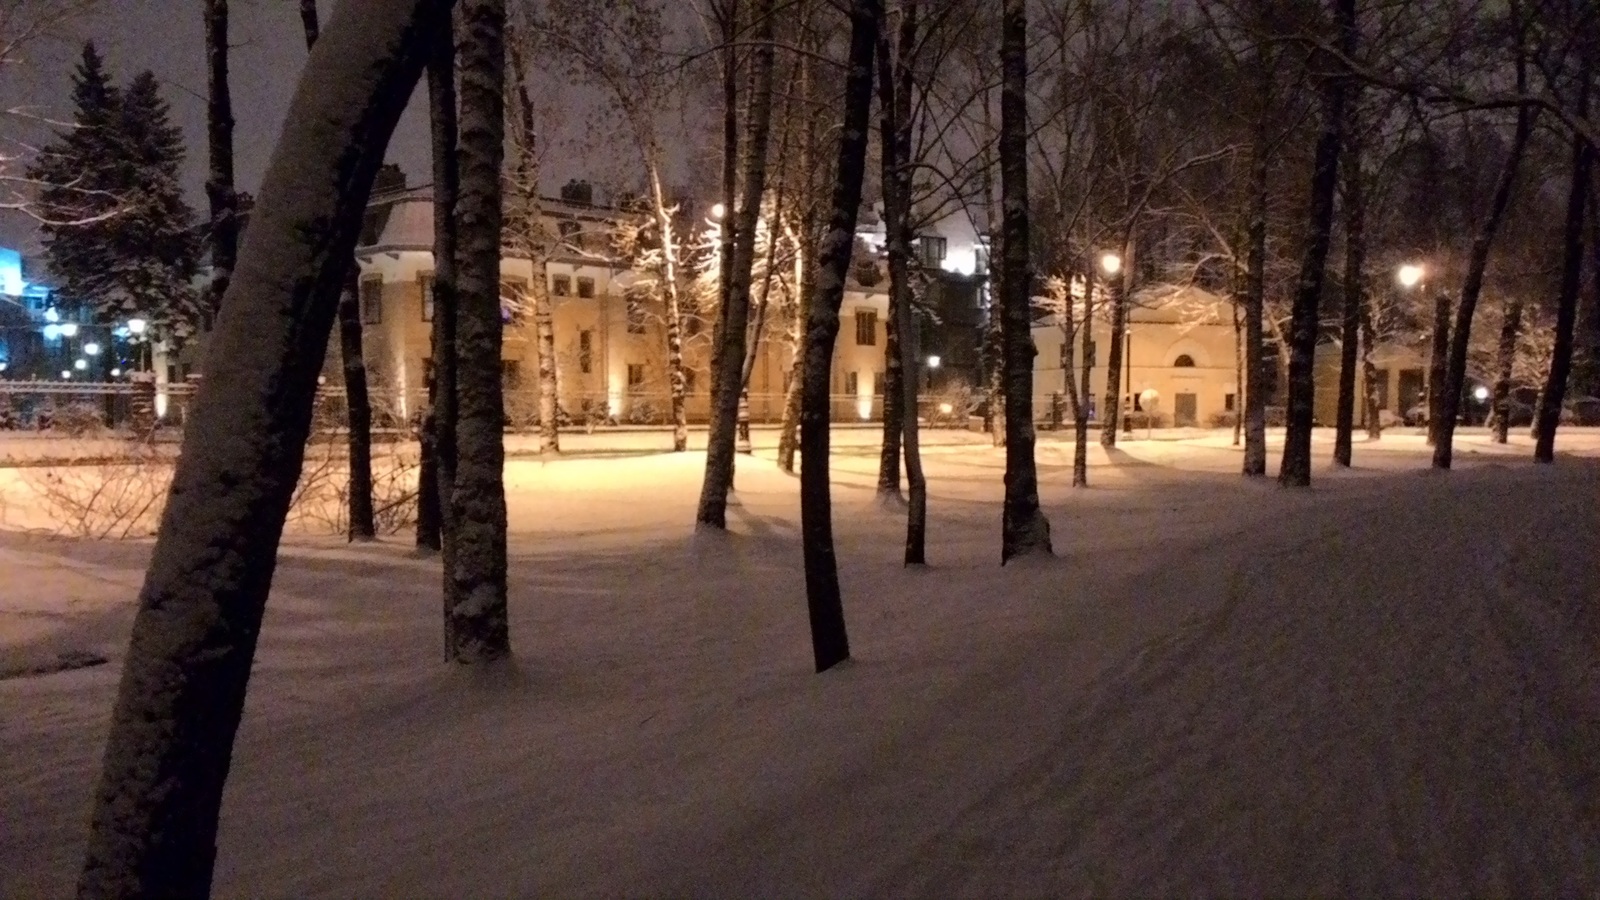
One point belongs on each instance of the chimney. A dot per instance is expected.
(577, 193)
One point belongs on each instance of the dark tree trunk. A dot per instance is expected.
(829, 642)
(734, 319)
(1080, 412)
(895, 83)
(1238, 372)
(1438, 362)
(1355, 252)
(1548, 415)
(1111, 415)
(183, 684)
(1024, 528)
(224, 201)
(1369, 373)
(1295, 470)
(476, 624)
(358, 402)
(1506, 358)
(437, 479)
(361, 525)
(1455, 375)
(1255, 292)
(789, 427)
(893, 401)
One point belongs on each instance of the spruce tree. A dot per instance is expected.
(119, 235)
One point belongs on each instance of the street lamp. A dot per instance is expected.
(1410, 275)
(934, 361)
(91, 348)
(1110, 263)
(718, 210)
(81, 365)
(69, 329)
(66, 374)
(136, 326)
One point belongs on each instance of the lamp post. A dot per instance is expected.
(1413, 276)
(1111, 265)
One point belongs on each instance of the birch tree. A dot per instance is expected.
(182, 690)
(527, 238)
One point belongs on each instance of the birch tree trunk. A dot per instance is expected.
(436, 479)
(529, 241)
(1455, 375)
(830, 643)
(1295, 469)
(674, 303)
(1111, 416)
(734, 318)
(476, 629)
(182, 690)
(1548, 415)
(358, 401)
(1506, 357)
(1355, 251)
(789, 427)
(1255, 293)
(1238, 373)
(220, 193)
(1369, 374)
(1024, 528)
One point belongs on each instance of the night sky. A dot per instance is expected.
(167, 37)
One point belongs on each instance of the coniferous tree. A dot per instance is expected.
(118, 234)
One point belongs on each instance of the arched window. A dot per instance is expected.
(1184, 361)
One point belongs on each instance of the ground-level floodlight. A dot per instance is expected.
(1111, 263)
(66, 373)
(946, 408)
(1409, 275)
(1480, 393)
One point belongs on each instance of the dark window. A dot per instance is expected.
(1229, 402)
(866, 328)
(852, 382)
(877, 383)
(1184, 361)
(585, 351)
(425, 284)
(689, 380)
(371, 294)
(932, 249)
(511, 374)
(427, 373)
(635, 375)
(560, 286)
(569, 227)
(1380, 380)
(585, 287)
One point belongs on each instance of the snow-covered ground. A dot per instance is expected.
(1386, 684)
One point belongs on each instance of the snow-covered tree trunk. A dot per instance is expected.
(358, 405)
(1548, 414)
(893, 410)
(734, 317)
(223, 199)
(182, 690)
(1355, 252)
(358, 401)
(529, 241)
(1238, 373)
(1455, 375)
(1295, 468)
(1505, 360)
(789, 429)
(436, 478)
(1024, 528)
(830, 643)
(476, 628)
(897, 330)
(1438, 361)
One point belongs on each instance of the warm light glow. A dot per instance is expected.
(946, 408)
(66, 373)
(718, 211)
(116, 373)
(136, 326)
(81, 364)
(50, 315)
(1111, 263)
(1481, 393)
(52, 332)
(91, 348)
(934, 361)
(864, 408)
(2, 365)
(69, 329)
(1410, 275)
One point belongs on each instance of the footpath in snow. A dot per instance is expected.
(1386, 685)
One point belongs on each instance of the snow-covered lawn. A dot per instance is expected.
(1386, 684)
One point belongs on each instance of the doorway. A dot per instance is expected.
(1185, 410)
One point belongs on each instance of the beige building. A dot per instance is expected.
(610, 334)
(1180, 344)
